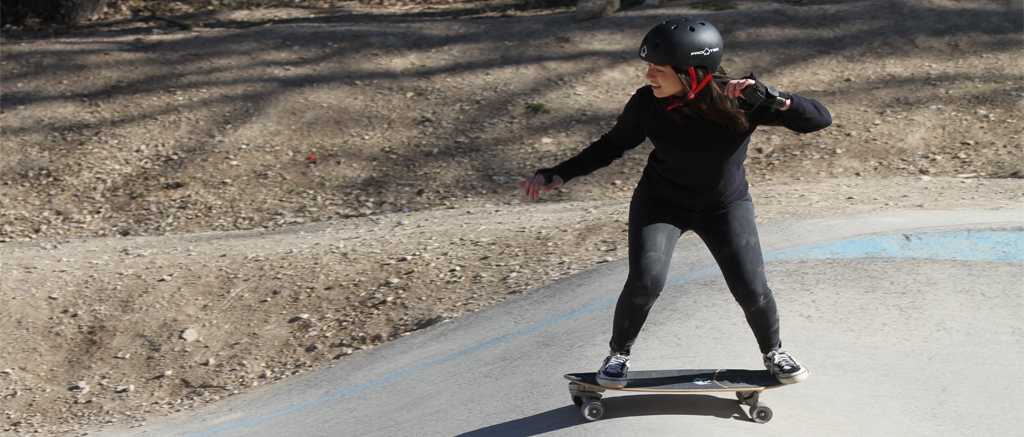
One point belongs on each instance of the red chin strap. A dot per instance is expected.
(693, 78)
(693, 93)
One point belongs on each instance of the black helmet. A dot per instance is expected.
(683, 43)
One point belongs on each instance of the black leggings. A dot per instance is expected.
(730, 234)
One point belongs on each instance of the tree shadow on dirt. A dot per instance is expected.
(401, 68)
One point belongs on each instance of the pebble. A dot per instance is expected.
(189, 335)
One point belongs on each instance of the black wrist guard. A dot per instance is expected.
(549, 175)
(760, 94)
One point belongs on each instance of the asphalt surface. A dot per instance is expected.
(910, 322)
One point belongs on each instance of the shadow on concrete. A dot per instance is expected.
(617, 407)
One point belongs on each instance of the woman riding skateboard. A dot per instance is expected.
(700, 125)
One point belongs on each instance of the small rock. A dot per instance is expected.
(591, 9)
(210, 361)
(125, 388)
(189, 335)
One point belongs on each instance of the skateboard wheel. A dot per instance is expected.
(760, 413)
(592, 410)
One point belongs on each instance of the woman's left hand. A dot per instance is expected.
(734, 88)
(534, 184)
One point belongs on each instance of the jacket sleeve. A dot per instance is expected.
(627, 134)
(803, 116)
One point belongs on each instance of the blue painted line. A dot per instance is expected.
(999, 246)
(1005, 246)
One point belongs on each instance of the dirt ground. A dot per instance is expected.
(190, 213)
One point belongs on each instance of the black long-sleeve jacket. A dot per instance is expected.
(696, 165)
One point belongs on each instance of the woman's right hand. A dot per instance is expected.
(534, 184)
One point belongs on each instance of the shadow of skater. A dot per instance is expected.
(616, 407)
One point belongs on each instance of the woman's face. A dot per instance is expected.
(665, 80)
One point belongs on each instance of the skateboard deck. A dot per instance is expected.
(747, 384)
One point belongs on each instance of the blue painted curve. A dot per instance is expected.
(989, 246)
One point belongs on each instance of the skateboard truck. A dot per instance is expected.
(759, 412)
(588, 399)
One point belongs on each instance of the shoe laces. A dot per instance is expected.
(783, 360)
(616, 363)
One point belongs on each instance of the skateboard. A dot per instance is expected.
(747, 384)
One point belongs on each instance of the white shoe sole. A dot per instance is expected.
(611, 383)
(793, 379)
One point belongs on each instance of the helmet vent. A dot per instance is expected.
(675, 26)
(692, 29)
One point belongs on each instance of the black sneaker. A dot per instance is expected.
(784, 367)
(613, 371)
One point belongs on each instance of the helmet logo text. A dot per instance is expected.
(705, 52)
